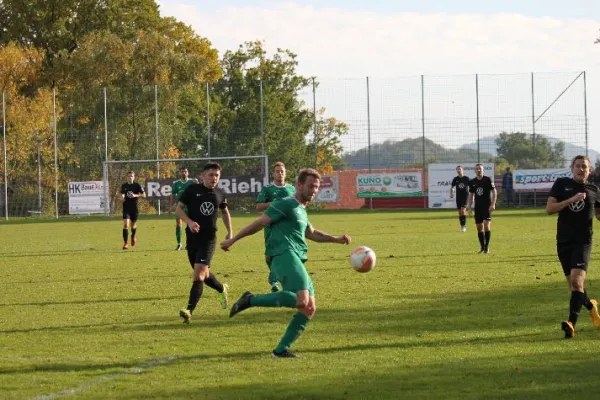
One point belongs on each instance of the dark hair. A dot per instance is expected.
(580, 157)
(306, 172)
(181, 168)
(130, 172)
(278, 164)
(211, 165)
(459, 166)
(479, 164)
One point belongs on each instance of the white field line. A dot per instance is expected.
(138, 369)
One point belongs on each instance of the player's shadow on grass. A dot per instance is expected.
(88, 301)
(70, 253)
(145, 277)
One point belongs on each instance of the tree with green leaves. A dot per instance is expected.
(526, 151)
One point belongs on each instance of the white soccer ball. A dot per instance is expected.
(363, 259)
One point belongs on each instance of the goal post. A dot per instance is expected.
(242, 178)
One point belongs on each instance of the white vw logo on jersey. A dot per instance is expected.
(461, 185)
(479, 191)
(207, 208)
(577, 206)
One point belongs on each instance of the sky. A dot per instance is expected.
(341, 42)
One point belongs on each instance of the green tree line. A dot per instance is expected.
(79, 48)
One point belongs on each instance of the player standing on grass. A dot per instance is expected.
(576, 201)
(483, 191)
(460, 184)
(177, 190)
(131, 191)
(286, 245)
(198, 207)
(278, 190)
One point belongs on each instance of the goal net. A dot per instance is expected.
(242, 178)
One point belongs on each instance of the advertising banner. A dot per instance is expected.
(232, 185)
(86, 197)
(398, 184)
(440, 181)
(530, 179)
(329, 190)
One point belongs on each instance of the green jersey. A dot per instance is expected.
(288, 227)
(272, 192)
(179, 187)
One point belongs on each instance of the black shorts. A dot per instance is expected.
(461, 203)
(130, 213)
(202, 252)
(482, 215)
(573, 256)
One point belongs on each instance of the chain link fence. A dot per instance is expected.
(394, 125)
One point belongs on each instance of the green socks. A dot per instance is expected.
(283, 298)
(293, 331)
(178, 233)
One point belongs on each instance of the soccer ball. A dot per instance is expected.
(362, 259)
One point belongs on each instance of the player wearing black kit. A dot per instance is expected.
(577, 202)
(131, 191)
(202, 201)
(482, 191)
(460, 185)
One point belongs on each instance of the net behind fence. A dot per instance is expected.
(345, 128)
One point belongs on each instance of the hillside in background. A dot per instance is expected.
(407, 153)
(488, 144)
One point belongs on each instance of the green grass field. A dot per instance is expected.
(81, 318)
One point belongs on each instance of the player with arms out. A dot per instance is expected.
(198, 207)
(577, 202)
(278, 190)
(177, 190)
(286, 245)
(131, 191)
(460, 184)
(483, 192)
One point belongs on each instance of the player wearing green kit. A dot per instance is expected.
(287, 247)
(177, 190)
(278, 190)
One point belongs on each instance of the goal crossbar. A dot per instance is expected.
(158, 161)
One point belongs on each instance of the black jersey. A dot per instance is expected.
(461, 183)
(482, 188)
(202, 207)
(134, 188)
(574, 223)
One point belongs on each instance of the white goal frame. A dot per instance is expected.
(106, 164)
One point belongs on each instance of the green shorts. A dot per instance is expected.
(290, 272)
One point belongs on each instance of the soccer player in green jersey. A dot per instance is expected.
(278, 190)
(177, 190)
(286, 245)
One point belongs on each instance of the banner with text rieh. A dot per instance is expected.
(232, 185)
(440, 181)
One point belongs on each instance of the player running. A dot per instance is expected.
(177, 190)
(483, 192)
(460, 185)
(131, 191)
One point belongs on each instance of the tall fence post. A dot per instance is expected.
(55, 152)
(262, 128)
(533, 133)
(156, 137)
(585, 114)
(477, 120)
(5, 162)
(369, 133)
(316, 137)
(208, 118)
(105, 127)
(423, 134)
